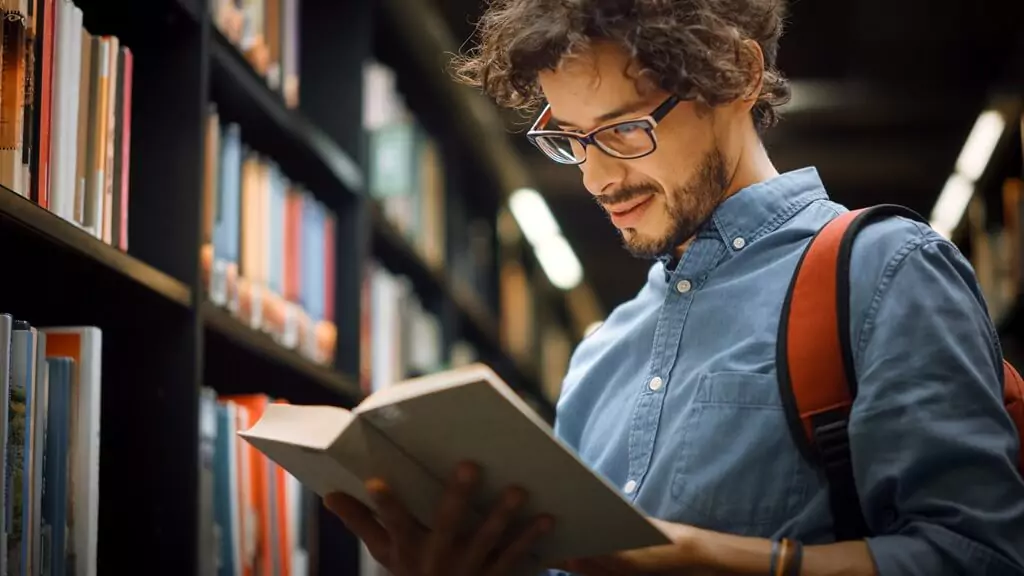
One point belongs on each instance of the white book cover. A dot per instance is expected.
(413, 435)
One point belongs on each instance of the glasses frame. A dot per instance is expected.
(649, 121)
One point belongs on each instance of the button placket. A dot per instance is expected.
(701, 256)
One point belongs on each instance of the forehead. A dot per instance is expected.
(594, 86)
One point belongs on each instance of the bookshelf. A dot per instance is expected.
(144, 264)
(991, 233)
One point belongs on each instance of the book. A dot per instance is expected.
(413, 435)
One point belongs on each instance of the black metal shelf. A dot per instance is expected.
(256, 352)
(308, 153)
(399, 255)
(304, 152)
(42, 231)
(163, 341)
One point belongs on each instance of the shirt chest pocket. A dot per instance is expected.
(737, 469)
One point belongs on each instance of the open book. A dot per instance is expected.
(414, 434)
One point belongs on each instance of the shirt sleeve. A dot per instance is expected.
(934, 450)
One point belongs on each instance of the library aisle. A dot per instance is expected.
(209, 206)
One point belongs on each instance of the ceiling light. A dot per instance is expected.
(541, 230)
(533, 215)
(559, 262)
(952, 204)
(980, 145)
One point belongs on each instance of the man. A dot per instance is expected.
(675, 398)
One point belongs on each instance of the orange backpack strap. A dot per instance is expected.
(814, 359)
(1013, 397)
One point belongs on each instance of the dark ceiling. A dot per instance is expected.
(885, 93)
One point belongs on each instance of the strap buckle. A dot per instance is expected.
(832, 441)
(831, 438)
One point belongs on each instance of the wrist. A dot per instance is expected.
(717, 553)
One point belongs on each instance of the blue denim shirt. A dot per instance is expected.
(675, 400)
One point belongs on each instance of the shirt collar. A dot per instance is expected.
(761, 208)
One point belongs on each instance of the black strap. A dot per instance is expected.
(835, 460)
(831, 432)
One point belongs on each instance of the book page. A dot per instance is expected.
(483, 421)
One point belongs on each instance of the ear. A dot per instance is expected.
(754, 60)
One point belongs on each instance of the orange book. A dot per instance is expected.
(284, 535)
(246, 493)
(293, 245)
(126, 144)
(42, 188)
(326, 329)
(259, 485)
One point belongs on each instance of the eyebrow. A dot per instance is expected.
(611, 115)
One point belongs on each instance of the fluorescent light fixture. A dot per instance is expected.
(559, 262)
(533, 215)
(977, 151)
(952, 204)
(592, 327)
(970, 165)
(541, 230)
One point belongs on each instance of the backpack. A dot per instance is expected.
(814, 360)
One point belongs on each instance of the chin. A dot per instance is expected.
(646, 246)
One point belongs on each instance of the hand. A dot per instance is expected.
(675, 559)
(406, 548)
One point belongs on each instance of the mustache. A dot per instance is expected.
(625, 194)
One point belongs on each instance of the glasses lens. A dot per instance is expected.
(626, 140)
(561, 148)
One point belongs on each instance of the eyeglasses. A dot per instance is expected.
(626, 139)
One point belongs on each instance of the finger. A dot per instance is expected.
(653, 560)
(360, 520)
(491, 531)
(517, 551)
(399, 524)
(448, 522)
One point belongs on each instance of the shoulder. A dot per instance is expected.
(884, 245)
(901, 270)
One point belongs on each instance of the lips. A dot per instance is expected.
(625, 208)
(629, 214)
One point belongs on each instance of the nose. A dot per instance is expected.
(601, 172)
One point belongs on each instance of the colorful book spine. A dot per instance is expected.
(269, 254)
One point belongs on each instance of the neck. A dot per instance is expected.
(752, 166)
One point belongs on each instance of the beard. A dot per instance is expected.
(689, 206)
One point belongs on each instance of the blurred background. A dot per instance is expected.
(237, 202)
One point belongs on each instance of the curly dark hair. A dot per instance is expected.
(696, 49)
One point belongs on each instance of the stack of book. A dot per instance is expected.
(258, 510)
(266, 32)
(83, 116)
(269, 245)
(50, 432)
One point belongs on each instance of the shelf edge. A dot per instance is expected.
(344, 169)
(66, 235)
(221, 321)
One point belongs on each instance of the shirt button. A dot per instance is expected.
(683, 286)
(630, 487)
(738, 242)
(655, 383)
